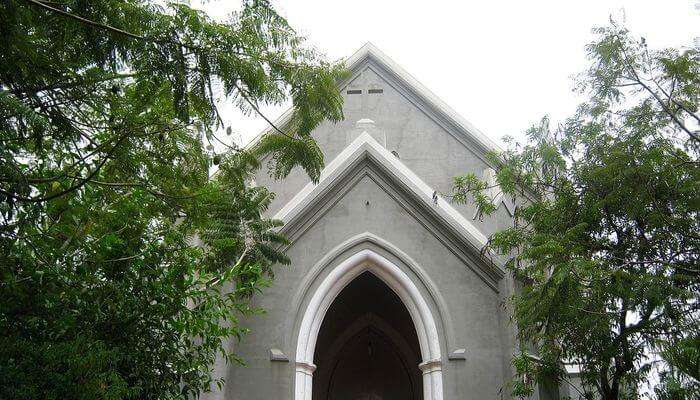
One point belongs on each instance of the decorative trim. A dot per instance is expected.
(459, 354)
(430, 366)
(360, 242)
(366, 145)
(278, 355)
(368, 53)
(435, 213)
(397, 280)
(486, 269)
(306, 367)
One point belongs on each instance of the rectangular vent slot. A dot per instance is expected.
(372, 91)
(357, 91)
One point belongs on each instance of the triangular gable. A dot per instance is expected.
(455, 124)
(366, 147)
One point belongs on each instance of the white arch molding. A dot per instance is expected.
(399, 282)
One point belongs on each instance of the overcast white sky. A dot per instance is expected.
(500, 64)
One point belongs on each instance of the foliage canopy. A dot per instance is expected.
(605, 236)
(108, 118)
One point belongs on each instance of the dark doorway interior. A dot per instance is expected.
(367, 348)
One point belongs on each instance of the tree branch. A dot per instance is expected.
(86, 21)
(82, 182)
(257, 110)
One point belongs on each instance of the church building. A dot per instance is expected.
(388, 296)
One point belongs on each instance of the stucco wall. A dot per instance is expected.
(468, 310)
(471, 305)
(425, 146)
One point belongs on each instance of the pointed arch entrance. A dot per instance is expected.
(367, 348)
(396, 280)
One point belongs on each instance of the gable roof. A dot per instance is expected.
(454, 123)
(366, 148)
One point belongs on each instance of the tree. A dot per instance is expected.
(681, 380)
(124, 268)
(605, 234)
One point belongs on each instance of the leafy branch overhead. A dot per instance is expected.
(125, 269)
(162, 70)
(605, 235)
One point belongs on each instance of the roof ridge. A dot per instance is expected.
(369, 50)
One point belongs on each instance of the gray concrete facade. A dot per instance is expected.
(367, 208)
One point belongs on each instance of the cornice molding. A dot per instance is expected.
(364, 157)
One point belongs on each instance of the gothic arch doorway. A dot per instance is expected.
(404, 341)
(367, 348)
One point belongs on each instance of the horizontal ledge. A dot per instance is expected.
(278, 355)
(459, 354)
